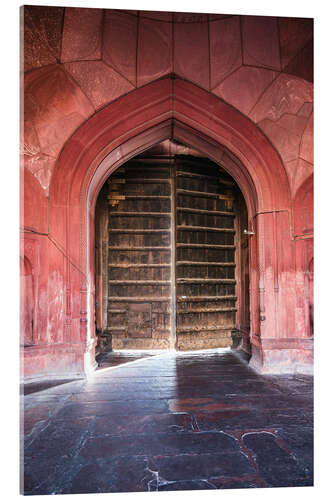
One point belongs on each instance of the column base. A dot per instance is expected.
(64, 360)
(282, 356)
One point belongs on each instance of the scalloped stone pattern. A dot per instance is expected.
(108, 53)
(82, 34)
(154, 50)
(245, 86)
(100, 83)
(42, 35)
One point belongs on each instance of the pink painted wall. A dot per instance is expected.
(78, 61)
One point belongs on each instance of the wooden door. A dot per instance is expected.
(171, 255)
(205, 255)
(139, 301)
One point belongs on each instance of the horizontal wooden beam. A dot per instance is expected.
(203, 281)
(192, 175)
(125, 266)
(194, 263)
(139, 214)
(137, 249)
(205, 228)
(146, 196)
(139, 299)
(140, 282)
(205, 245)
(204, 212)
(139, 231)
(199, 194)
(149, 180)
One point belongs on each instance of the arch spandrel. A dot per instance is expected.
(186, 104)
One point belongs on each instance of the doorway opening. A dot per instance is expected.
(171, 255)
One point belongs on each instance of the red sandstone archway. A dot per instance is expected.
(174, 108)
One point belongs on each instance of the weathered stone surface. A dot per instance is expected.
(82, 34)
(154, 49)
(261, 42)
(158, 16)
(41, 166)
(204, 466)
(100, 83)
(56, 387)
(160, 444)
(276, 465)
(286, 94)
(118, 475)
(91, 478)
(238, 483)
(285, 134)
(120, 43)
(100, 408)
(189, 17)
(245, 86)
(217, 17)
(147, 424)
(30, 147)
(42, 35)
(45, 477)
(306, 109)
(294, 35)
(133, 446)
(34, 416)
(298, 170)
(302, 64)
(34, 214)
(301, 444)
(228, 420)
(59, 439)
(191, 59)
(55, 106)
(225, 47)
(186, 485)
(306, 149)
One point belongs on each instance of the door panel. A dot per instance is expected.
(171, 255)
(140, 256)
(205, 264)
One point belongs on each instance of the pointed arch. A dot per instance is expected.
(172, 108)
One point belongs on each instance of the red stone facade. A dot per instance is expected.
(100, 87)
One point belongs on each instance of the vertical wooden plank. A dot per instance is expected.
(205, 257)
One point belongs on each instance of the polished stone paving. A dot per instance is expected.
(174, 421)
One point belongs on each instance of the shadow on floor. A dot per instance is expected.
(31, 387)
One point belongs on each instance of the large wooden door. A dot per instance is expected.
(205, 255)
(171, 255)
(139, 301)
